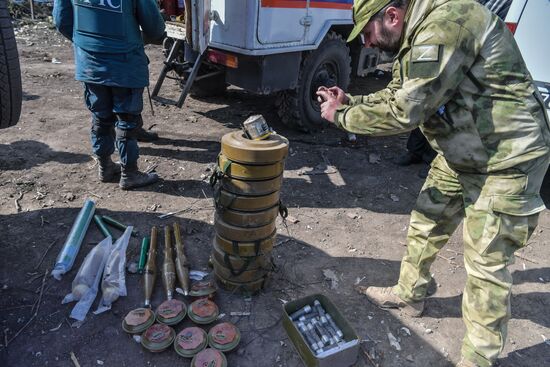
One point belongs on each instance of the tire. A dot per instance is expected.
(11, 93)
(328, 65)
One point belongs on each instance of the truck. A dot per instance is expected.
(527, 21)
(283, 47)
(11, 93)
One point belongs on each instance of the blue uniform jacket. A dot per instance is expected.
(107, 40)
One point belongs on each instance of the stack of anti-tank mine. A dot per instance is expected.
(246, 191)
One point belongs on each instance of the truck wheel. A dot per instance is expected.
(329, 65)
(11, 93)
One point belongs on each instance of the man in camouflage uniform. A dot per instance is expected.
(459, 76)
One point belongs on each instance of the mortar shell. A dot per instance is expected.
(209, 357)
(203, 311)
(190, 341)
(224, 337)
(251, 188)
(227, 200)
(241, 234)
(138, 320)
(237, 147)
(171, 312)
(250, 172)
(243, 248)
(158, 337)
(248, 219)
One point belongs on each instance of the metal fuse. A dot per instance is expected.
(304, 310)
(325, 337)
(308, 336)
(308, 317)
(333, 325)
(311, 330)
(331, 331)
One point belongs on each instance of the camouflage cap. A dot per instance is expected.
(363, 10)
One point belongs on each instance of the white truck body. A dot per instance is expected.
(527, 19)
(263, 27)
(288, 47)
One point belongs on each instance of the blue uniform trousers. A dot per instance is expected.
(116, 115)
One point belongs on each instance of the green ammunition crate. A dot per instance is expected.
(345, 356)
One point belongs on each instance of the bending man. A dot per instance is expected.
(459, 76)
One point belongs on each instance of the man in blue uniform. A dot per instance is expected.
(111, 62)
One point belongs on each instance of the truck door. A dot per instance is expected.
(282, 21)
(201, 24)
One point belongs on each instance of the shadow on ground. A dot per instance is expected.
(15, 156)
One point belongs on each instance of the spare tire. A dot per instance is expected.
(11, 93)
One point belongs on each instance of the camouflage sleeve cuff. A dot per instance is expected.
(339, 116)
(353, 100)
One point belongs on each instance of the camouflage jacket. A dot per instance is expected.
(460, 77)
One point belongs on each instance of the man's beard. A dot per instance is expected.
(388, 41)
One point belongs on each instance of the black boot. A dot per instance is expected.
(131, 177)
(146, 135)
(109, 171)
(407, 159)
(423, 172)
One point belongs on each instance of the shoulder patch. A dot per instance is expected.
(425, 53)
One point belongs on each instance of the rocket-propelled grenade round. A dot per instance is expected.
(150, 274)
(182, 265)
(168, 267)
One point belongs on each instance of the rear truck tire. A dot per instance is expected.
(11, 93)
(328, 65)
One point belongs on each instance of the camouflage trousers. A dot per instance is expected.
(500, 213)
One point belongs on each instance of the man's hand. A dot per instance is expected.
(330, 99)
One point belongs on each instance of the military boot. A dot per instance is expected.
(406, 159)
(109, 171)
(131, 177)
(385, 297)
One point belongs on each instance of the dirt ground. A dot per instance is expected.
(352, 204)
